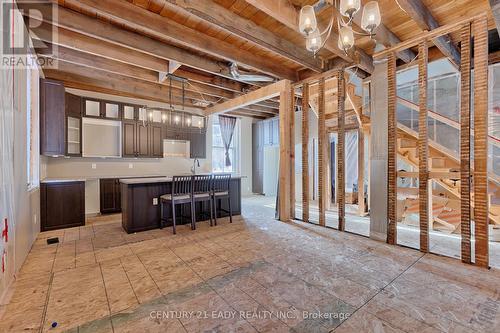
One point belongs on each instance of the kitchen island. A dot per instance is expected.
(140, 201)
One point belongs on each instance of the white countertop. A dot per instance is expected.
(61, 180)
(166, 179)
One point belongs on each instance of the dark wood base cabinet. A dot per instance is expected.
(62, 205)
(141, 205)
(110, 197)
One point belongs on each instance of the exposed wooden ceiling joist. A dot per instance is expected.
(156, 54)
(253, 97)
(99, 74)
(426, 21)
(164, 29)
(288, 15)
(246, 29)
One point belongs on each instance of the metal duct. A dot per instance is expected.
(233, 69)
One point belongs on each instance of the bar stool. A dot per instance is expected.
(201, 192)
(220, 190)
(181, 193)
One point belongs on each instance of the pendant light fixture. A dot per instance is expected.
(341, 9)
(313, 41)
(307, 20)
(371, 17)
(349, 8)
(346, 38)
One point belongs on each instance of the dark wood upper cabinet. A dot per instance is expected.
(52, 118)
(142, 140)
(129, 138)
(198, 145)
(62, 205)
(73, 125)
(110, 195)
(156, 140)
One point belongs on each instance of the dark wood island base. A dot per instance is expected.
(140, 203)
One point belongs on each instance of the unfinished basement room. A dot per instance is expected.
(225, 166)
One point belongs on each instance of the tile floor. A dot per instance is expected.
(256, 274)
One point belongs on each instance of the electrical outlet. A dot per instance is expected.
(94, 166)
(130, 166)
(155, 201)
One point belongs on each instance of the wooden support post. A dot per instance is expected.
(391, 151)
(292, 153)
(305, 152)
(423, 151)
(284, 165)
(341, 148)
(465, 143)
(361, 172)
(480, 27)
(322, 153)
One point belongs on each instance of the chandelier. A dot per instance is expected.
(316, 39)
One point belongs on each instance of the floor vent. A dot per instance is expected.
(53, 240)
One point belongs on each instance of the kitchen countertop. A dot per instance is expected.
(61, 180)
(165, 179)
(89, 178)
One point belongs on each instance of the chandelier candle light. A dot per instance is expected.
(308, 24)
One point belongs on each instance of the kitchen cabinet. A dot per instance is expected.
(142, 139)
(73, 107)
(135, 139)
(52, 118)
(110, 195)
(156, 140)
(62, 205)
(128, 138)
(198, 144)
(101, 109)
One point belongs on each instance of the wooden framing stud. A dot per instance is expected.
(465, 132)
(361, 172)
(480, 29)
(341, 148)
(305, 152)
(292, 153)
(322, 153)
(423, 150)
(391, 151)
(284, 165)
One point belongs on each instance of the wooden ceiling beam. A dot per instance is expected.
(288, 15)
(133, 84)
(162, 28)
(253, 97)
(75, 22)
(417, 10)
(242, 113)
(114, 87)
(233, 23)
(109, 65)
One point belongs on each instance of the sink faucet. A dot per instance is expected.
(193, 168)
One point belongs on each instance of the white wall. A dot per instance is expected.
(24, 224)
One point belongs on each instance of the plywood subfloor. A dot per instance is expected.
(261, 274)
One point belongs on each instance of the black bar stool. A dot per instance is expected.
(201, 192)
(221, 190)
(181, 193)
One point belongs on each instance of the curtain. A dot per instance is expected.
(227, 125)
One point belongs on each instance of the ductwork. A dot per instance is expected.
(233, 69)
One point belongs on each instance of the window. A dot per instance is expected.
(218, 151)
(32, 128)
